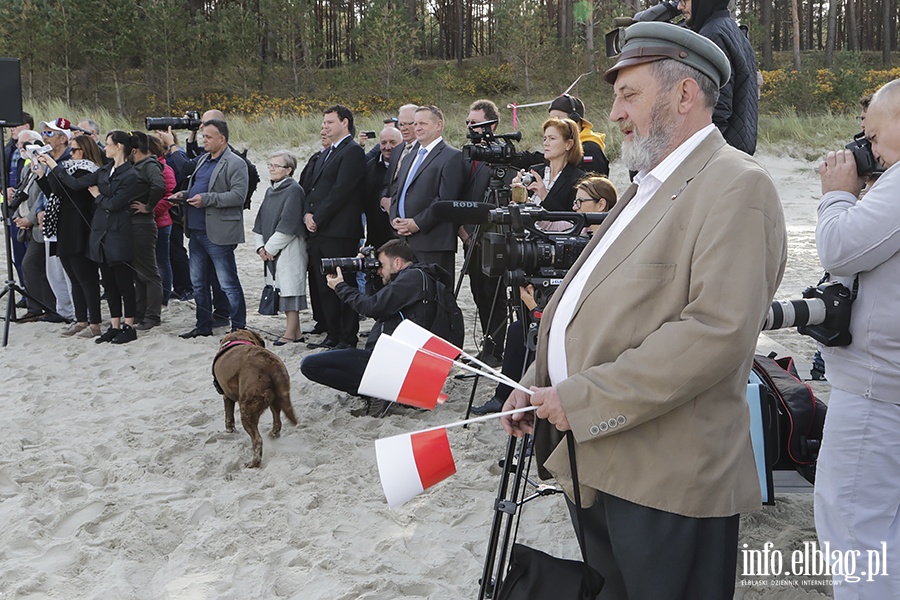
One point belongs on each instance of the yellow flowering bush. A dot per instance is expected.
(814, 91)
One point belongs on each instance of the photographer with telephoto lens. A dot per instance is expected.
(858, 467)
(409, 288)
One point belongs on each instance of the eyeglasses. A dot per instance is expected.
(579, 201)
(75, 149)
(407, 124)
(50, 133)
(274, 166)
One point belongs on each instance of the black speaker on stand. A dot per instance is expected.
(10, 116)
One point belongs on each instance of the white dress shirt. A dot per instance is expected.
(648, 184)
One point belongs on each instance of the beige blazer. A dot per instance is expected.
(660, 345)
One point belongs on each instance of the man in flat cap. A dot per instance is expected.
(645, 349)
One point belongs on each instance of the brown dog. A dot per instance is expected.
(256, 378)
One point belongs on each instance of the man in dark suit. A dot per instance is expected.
(434, 173)
(489, 293)
(378, 223)
(406, 117)
(306, 183)
(333, 217)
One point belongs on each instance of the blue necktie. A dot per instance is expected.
(412, 173)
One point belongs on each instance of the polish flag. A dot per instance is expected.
(410, 463)
(416, 335)
(403, 373)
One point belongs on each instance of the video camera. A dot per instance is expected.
(191, 121)
(666, 10)
(524, 254)
(823, 314)
(486, 146)
(367, 263)
(866, 164)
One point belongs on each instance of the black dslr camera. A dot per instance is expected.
(823, 314)
(866, 165)
(367, 263)
(191, 121)
(526, 255)
(486, 146)
(664, 11)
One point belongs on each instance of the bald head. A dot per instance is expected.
(889, 95)
(214, 114)
(389, 139)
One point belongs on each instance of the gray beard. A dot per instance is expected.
(643, 153)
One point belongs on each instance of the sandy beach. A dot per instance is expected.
(118, 481)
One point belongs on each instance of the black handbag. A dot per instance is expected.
(535, 575)
(268, 301)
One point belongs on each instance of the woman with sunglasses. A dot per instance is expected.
(281, 241)
(113, 187)
(553, 186)
(72, 226)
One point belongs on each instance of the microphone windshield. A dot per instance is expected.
(462, 212)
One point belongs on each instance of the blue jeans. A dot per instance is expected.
(163, 261)
(206, 258)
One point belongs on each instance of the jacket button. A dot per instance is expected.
(612, 423)
(620, 419)
(603, 426)
(594, 430)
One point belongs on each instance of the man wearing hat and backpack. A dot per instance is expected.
(645, 349)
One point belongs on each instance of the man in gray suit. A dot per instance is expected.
(214, 223)
(433, 173)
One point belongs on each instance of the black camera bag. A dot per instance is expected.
(797, 434)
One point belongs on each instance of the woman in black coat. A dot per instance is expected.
(110, 243)
(72, 228)
(554, 183)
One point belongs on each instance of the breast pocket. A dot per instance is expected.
(660, 273)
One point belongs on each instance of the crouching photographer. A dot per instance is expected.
(858, 470)
(411, 291)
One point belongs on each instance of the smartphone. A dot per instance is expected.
(370, 134)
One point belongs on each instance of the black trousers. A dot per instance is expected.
(118, 280)
(181, 266)
(489, 294)
(34, 267)
(446, 259)
(516, 358)
(84, 275)
(338, 369)
(147, 281)
(340, 321)
(649, 554)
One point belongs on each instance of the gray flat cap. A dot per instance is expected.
(649, 42)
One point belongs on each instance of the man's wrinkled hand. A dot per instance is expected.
(838, 173)
(520, 423)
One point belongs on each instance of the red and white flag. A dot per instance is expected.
(403, 373)
(410, 463)
(416, 335)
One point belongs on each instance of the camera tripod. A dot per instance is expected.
(511, 495)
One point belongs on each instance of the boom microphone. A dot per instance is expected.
(462, 211)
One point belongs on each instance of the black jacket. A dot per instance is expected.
(378, 223)
(737, 111)
(561, 196)
(111, 234)
(400, 299)
(334, 192)
(76, 213)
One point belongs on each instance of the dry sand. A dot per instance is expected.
(117, 479)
